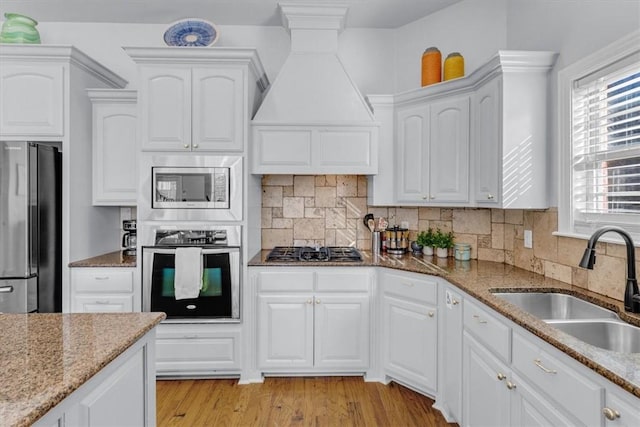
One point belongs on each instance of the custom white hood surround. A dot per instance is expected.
(314, 120)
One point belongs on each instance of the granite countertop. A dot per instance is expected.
(479, 278)
(112, 259)
(46, 357)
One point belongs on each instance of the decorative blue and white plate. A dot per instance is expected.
(191, 32)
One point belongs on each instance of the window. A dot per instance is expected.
(600, 140)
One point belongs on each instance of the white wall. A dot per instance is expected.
(574, 29)
(476, 29)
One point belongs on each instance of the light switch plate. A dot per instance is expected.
(528, 239)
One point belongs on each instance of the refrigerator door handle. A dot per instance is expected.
(6, 289)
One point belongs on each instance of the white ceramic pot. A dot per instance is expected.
(427, 250)
(442, 252)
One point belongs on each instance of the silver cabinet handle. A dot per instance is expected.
(408, 284)
(538, 363)
(102, 302)
(101, 277)
(501, 376)
(186, 145)
(195, 145)
(610, 414)
(455, 301)
(6, 289)
(510, 385)
(190, 337)
(475, 316)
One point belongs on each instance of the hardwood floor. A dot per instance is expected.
(316, 401)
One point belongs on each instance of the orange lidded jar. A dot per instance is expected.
(431, 66)
(453, 66)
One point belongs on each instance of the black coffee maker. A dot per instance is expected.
(129, 237)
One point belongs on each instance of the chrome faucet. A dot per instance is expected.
(631, 294)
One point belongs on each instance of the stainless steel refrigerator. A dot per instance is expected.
(30, 228)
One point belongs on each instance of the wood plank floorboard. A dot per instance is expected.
(292, 402)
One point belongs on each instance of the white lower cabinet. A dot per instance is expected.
(198, 350)
(104, 290)
(313, 320)
(121, 394)
(450, 353)
(410, 330)
(621, 410)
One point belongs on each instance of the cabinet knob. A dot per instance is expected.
(510, 385)
(309, 301)
(195, 145)
(501, 376)
(431, 314)
(455, 302)
(432, 197)
(186, 145)
(317, 301)
(424, 197)
(490, 196)
(610, 414)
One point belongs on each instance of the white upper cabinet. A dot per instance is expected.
(197, 100)
(115, 158)
(32, 100)
(495, 116)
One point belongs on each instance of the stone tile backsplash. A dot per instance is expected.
(328, 210)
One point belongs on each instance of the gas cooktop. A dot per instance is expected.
(308, 253)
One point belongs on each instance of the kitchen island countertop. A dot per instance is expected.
(480, 278)
(46, 357)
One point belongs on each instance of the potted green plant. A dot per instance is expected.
(443, 242)
(426, 240)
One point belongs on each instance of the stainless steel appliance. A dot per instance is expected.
(30, 228)
(309, 254)
(190, 188)
(129, 238)
(218, 299)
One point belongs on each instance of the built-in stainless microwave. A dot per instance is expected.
(190, 188)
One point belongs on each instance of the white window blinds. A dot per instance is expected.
(605, 135)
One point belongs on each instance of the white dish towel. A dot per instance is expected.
(188, 278)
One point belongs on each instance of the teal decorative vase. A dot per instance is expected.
(19, 29)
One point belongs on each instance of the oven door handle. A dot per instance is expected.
(205, 251)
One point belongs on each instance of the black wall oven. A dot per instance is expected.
(218, 298)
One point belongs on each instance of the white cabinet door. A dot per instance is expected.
(485, 395)
(449, 151)
(412, 170)
(115, 159)
(341, 331)
(218, 109)
(450, 387)
(32, 100)
(285, 331)
(410, 334)
(487, 140)
(621, 411)
(165, 108)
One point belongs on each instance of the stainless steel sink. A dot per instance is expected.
(613, 335)
(552, 306)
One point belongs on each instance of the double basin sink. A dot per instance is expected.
(583, 320)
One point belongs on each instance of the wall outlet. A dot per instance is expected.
(528, 239)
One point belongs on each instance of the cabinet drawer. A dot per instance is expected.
(102, 280)
(102, 304)
(355, 280)
(197, 349)
(279, 280)
(581, 397)
(411, 287)
(487, 329)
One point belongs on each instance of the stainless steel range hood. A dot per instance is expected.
(314, 120)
